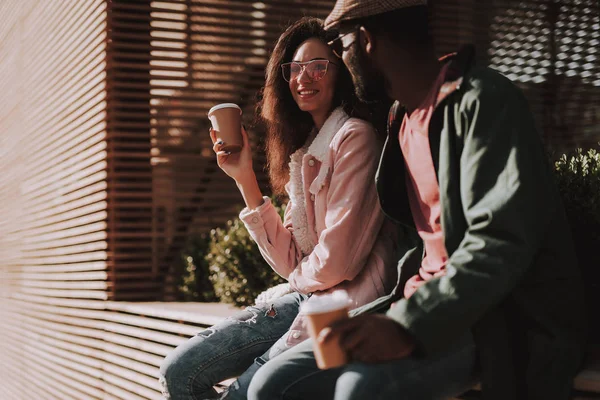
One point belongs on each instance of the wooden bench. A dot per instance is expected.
(586, 383)
(136, 337)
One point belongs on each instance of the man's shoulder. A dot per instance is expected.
(482, 81)
(488, 87)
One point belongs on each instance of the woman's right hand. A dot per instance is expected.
(236, 165)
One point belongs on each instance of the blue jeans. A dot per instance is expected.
(295, 376)
(237, 346)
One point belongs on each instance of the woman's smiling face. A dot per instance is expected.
(314, 96)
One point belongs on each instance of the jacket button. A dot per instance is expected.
(311, 162)
(296, 335)
(255, 220)
(312, 197)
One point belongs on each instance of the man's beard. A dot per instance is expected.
(369, 82)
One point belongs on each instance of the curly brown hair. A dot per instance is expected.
(286, 125)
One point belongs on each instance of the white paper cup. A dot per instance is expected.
(320, 313)
(226, 121)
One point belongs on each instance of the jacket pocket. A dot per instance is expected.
(319, 182)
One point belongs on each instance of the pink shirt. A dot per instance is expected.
(423, 189)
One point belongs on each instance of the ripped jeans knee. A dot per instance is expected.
(225, 350)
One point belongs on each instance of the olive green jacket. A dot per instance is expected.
(512, 276)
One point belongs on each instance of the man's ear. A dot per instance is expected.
(366, 40)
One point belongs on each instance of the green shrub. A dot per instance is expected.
(578, 177)
(225, 265)
(193, 270)
(238, 271)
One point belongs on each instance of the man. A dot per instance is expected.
(497, 294)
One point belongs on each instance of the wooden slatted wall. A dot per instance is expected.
(54, 191)
(106, 166)
(129, 173)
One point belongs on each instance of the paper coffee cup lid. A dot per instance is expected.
(326, 303)
(224, 105)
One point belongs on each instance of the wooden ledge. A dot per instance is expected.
(191, 312)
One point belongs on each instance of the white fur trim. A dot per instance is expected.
(298, 213)
(320, 145)
(273, 293)
(317, 149)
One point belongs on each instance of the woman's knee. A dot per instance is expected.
(183, 368)
(174, 373)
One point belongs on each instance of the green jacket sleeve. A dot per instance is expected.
(505, 184)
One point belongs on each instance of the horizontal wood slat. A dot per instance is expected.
(54, 189)
(89, 352)
(106, 167)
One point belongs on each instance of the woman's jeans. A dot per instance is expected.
(240, 343)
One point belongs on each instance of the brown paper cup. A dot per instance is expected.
(226, 120)
(330, 354)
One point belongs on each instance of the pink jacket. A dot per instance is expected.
(333, 235)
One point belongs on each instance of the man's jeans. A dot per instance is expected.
(227, 349)
(295, 376)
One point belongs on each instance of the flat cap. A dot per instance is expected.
(345, 10)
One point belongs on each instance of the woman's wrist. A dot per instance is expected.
(250, 191)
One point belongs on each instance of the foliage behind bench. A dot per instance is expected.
(578, 177)
(226, 266)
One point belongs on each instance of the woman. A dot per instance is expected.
(333, 235)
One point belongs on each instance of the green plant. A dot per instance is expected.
(578, 177)
(225, 265)
(192, 266)
(238, 271)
